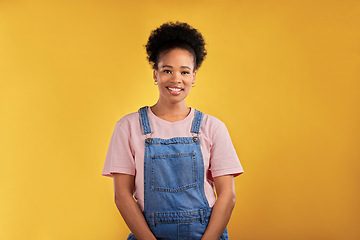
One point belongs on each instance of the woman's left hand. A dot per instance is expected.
(222, 209)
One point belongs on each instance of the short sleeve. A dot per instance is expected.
(223, 157)
(119, 157)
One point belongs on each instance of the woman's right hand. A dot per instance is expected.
(128, 208)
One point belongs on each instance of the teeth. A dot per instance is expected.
(175, 89)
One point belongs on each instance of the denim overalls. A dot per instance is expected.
(175, 207)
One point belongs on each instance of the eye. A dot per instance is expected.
(167, 71)
(185, 72)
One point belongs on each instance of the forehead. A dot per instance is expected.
(176, 56)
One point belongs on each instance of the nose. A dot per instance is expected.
(177, 77)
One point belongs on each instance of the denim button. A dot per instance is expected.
(148, 140)
(195, 139)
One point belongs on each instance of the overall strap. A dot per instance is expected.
(144, 120)
(197, 121)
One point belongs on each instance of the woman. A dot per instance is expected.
(169, 156)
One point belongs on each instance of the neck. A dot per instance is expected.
(169, 111)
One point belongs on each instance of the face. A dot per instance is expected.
(174, 75)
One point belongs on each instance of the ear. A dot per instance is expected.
(155, 73)
(194, 77)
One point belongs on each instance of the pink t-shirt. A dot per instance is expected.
(127, 148)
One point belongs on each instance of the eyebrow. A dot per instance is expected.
(172, 66)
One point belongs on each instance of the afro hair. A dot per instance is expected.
(172, 35)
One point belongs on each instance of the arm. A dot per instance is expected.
(225, 202)
(128, 208)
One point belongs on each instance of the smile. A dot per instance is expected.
(174, 91)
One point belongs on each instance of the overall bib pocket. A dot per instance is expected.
(173, 172)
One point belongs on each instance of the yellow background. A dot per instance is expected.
(282, 75)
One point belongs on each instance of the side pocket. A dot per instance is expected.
(225, 235)
(197, 229)
(131, 237)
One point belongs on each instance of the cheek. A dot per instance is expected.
(161, 79)
(190, 80)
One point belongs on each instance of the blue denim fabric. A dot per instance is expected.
(180, 231)
(175, 207)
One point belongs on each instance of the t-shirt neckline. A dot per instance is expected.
(187, 118)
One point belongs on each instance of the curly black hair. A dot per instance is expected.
(172, 35)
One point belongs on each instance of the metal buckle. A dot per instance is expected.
(195, 136)
(148, 137)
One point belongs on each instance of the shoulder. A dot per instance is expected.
(128, 118)
(128, 121)
(212, 121)
(212, 125)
